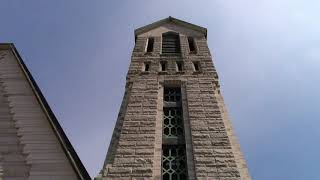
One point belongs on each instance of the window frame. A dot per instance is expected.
(172, 101)
(163, 66)
(177, 42)
(196, 66)
(179, 66)
(193, 44)
(146, 66)
(149, 44)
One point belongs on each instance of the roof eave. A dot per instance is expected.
(64, 141)
(170, 19)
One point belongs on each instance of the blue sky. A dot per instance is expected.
(267, 54)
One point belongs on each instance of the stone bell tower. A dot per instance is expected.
(172, 122)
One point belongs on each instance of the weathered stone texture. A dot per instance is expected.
(135, 149)
(212, 150)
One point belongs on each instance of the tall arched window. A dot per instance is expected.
(170, 43)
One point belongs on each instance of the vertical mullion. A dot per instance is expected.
(187, 134)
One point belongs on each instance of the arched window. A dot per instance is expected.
(170, 43)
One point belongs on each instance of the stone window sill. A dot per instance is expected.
(180, 72)
(197, 72)
(163, 72)
(145, 72)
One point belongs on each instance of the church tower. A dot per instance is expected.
(173, 124)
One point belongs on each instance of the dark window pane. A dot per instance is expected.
(163, 66)
(172, 94)
(179, 66)
(172, 123)
(196, 66)
(146, 66)
(191, 43)
(166, 177)
(174, 166)
(150, 44)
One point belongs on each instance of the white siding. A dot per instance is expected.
(38, 148)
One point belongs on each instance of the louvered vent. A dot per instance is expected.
(170, 44)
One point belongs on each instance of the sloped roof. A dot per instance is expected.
(56, 127)
(168, 20)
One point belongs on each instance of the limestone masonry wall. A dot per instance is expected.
(135, 149)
